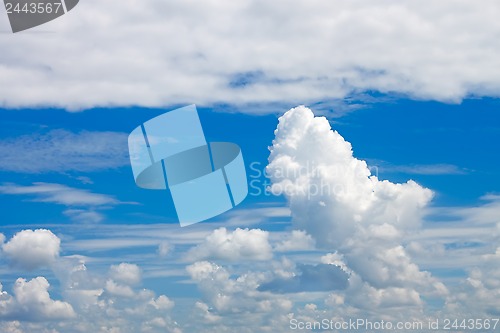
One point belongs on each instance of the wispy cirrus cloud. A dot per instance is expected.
(436, 169)
(364, 218)
(30, 249)
(31, 302)
(297, 240)
(82, 205)
(240, 244)
(61, 150)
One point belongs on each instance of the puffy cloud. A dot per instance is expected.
(61, 151)
(104, 304)
(31, 249)
(335, 259)
(123, 276)
(226, 296)
(206, 315)
(431, 50)
(162, 303)
(32, 302)
(241, 244)
(203, 270)
(11, 327)
(310, 278)
(117, 289)
(333, 197)
(298, 240)
(129, 274)
(391, 297)
(315, 168)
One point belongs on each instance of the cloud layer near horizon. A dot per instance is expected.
(157, 53)
(60, 151)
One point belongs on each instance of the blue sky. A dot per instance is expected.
(448, 148)
(376, 125)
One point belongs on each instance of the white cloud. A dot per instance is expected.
(60, 151)
(30, 249)
(298, 240)
(164, 249)
(335, 259)
(84, 216)
(117, 289)
(129, 274)
(32, 302)
(241, 244)
(206, 315)
(162, 302)
(105, 304)
(234, 296)
(457, 237)
(333, 197)
(203, 270)
(259, 52)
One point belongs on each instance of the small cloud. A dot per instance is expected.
(421, 169)
(298, 240)
(129, 274)
(162, 302)
(84, 216)
(120, 290)
(30, 249)
(206, 315)
(490, 197)
(241, 244)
